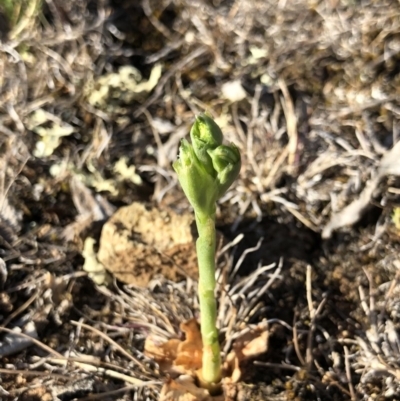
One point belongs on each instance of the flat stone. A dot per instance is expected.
(141, 241)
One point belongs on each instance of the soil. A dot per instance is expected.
(94, 100)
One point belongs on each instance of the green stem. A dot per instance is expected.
(208, 305)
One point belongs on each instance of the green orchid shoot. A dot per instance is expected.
(206, 169)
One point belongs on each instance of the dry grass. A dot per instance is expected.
(308, 90)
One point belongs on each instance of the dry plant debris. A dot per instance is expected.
(94, 99)
(184, 358)
(177, 356)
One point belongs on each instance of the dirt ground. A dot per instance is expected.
(97, 239)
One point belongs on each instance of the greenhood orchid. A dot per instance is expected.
(206, 169)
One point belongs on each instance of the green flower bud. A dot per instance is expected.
(226, 162)
(200, 188)
(205, 135)
(207, 168)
